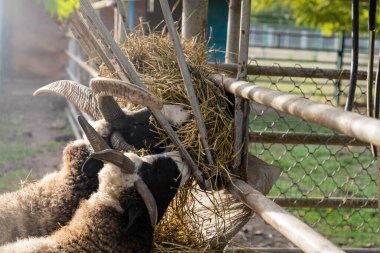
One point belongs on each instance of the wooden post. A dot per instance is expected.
(289, 226)
(349, 123)
(194, 18)
(232, 46)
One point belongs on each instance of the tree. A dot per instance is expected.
(59, 9)
(326, 15)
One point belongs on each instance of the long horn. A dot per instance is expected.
(111, 87)
(149, 201)
(76, 93)
(118, 142)
(115, 157)
(96, 141)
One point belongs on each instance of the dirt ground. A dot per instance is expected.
(35, 129)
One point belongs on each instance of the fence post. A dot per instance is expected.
(232, 47)
(339, 65)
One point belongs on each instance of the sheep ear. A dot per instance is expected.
(91, 167)
(149, 201)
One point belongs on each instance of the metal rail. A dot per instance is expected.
(326, 202)
(293, 229)
(304, 138)
(343, 74)
(349, 123)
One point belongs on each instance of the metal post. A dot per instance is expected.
(354, 55)
(232, 47)
(194, 18)
(240, 146)
(339, 65)
(187, 80)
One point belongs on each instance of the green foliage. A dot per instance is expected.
(326, 15)
(59, 9)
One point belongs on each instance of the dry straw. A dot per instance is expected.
(195, 219)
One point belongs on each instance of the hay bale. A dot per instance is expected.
(195, 219)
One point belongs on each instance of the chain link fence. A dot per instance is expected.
(328, 180)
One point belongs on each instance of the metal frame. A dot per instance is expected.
(287, 224)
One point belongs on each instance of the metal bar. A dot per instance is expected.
(232, 47)
(240, 145)
(187, 79)
(124, 66)
(354, 55)
(103, 4)
(83, 36)
(123, 10)
(93, 72)
(343, 74)
(194, 18)
(304, 138)
(295, 250)
(289, 226)
(348, 123)
(339, 65)
(326, 202)
(371, 53)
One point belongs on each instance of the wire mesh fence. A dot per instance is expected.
(331, 185)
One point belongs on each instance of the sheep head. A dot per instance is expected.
(119, 127)
(156, 178)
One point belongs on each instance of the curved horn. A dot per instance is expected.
(111, 87)
(149, 201)
(111, 111)
(115, 157)
(76, 93)
(96, 141)
(118, 142)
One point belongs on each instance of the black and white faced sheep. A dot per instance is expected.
(122, 129)
(115, 218)
(42, 207)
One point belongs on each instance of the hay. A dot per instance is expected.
(195, 219)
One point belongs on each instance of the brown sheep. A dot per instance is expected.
(115, 218)
(42, 207)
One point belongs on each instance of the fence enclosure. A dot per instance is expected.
(329, 180)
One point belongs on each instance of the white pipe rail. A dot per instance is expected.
(292, 228)
(349, 123)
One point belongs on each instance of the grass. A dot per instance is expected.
(11, 181)
(323, 171)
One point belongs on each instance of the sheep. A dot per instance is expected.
(116, 217)
(40, 208)
(123, 129)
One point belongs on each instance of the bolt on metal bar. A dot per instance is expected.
(343, 74)
(187, 79)
(349, 123)
(123, 67)
(289, 226)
